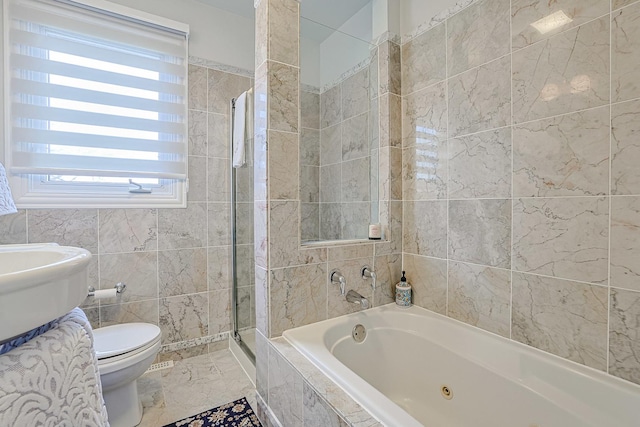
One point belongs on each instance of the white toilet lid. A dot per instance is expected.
(114, 340)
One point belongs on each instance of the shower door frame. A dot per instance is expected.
(235, 335)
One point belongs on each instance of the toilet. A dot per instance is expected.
(124, 353)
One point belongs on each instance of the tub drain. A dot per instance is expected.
(446, 392)
(359, 333)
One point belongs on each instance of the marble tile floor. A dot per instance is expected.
(193, 385)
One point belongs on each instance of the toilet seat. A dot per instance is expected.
(119, 346)
(127, 338)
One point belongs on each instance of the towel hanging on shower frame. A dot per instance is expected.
(241, 127)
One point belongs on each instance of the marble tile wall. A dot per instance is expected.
(346, 165)
(292, 280)
(310, 149)
(175, 262)
(520, 181)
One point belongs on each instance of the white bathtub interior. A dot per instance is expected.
(398, 373)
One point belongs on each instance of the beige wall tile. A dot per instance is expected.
(566, 73)
(477, 35)
(625, 51)
(568, 319)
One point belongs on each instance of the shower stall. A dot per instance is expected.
(242, 253)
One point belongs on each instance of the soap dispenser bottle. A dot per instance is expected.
(403, 292)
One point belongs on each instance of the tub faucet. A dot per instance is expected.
(368, 273)
(338, 278)
(356, 298)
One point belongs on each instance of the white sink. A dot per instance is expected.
(39, 283)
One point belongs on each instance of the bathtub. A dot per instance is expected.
(415, 367)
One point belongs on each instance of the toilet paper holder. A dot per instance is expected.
(120, 287)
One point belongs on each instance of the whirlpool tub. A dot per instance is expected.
(416, 368)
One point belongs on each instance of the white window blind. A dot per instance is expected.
(94, 92)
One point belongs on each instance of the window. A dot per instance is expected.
(96, 105)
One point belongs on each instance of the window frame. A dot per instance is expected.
(35, 190)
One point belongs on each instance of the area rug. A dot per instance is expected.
(235, 414)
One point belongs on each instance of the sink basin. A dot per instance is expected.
(39, 283)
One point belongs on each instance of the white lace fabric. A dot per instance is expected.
(53, 380)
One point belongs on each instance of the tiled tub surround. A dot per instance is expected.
(543, 389)
(282, 264)
(521, 189)
(175, 262)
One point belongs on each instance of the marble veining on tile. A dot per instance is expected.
(423, 60)
(137, 270)
(331, 144)
(425, 116)
(13, 228)
(390, 73)
(184, 317)
(355, 94)
(424, 171)
(425, 228)
(182, 228)
(197, 172)
(283, 165)
(566, 73)
(480, 296)
(480, 165)
(480, 99)
(625, 49)
(197, 88)
(218, 135)
(283, 21)
(616, 4)
(565, 318)
(309, 109)
(480, 231)
(67, 227)
(428, 278)
(355, 180)
(530, 18)
(197, 133)
(222, 87)
(566, 238)
(310, 147)
(285, 390)
(355, 140)
(219, 217)
(355, 219)
(295, 305)
(137, 311)
(331, 107)
(625, 148)
(477, 35)
(317, 412)
(437, 19)
(193, 385)
(182, 272)
(625, 242)
(563, 156)
(219, 320)
(624, 336)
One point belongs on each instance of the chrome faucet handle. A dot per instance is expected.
(368, 273)
(337, 278)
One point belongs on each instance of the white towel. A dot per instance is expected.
(6, 201)
(242, 128)
(239, 131)
(53, 379)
